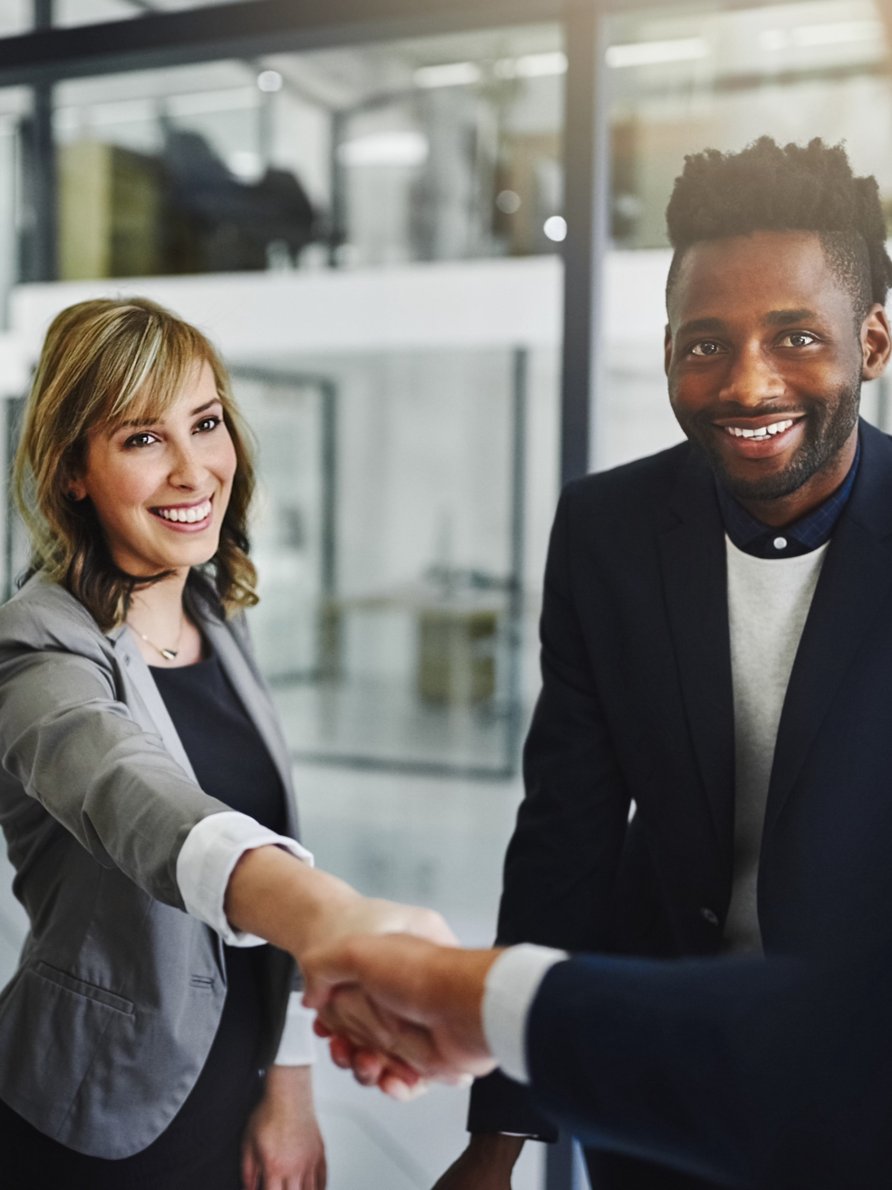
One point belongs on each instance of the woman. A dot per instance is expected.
(144, 774)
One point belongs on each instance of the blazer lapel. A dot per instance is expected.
(854, 586)
(140, 676)
(246, 682)
(694, 575)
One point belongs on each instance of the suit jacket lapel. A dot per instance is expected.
(694, 575)
(852, 590)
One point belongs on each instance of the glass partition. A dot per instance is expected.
(16, 16)
(397, 623)
(410, 475)
(430, 149)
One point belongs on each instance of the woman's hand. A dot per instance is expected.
(282, 1147)
(299, 908)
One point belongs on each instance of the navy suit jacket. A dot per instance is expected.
(637, 707)
(770, 1074)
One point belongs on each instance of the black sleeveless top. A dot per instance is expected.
(232, 764)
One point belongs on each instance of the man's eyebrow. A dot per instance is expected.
(786, 317)
(715, 326)
(702, 326)
(139, 422)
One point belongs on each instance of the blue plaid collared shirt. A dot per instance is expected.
(803, 536)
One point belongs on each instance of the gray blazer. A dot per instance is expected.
(108, 1020)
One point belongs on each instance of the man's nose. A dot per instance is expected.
(751, 378)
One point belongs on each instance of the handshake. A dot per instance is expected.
(400, 1010)
(692, 1063)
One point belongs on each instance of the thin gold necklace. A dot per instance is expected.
(167, 654)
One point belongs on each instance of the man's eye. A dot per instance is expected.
(798, 339)
(707, 347)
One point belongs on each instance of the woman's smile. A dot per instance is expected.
(185, 516)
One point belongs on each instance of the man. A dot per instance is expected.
(759, 1074)
(717, 625)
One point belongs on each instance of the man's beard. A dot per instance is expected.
(828, 426)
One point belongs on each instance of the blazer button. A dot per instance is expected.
(708, 915)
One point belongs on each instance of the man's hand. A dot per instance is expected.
(486, 1164)
(282, 1147)
(418, 1003)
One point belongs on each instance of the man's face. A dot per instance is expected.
(765, 363)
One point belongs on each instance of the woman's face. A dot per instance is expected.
(160, 489)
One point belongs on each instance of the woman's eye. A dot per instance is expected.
(144, 438)
(208, 423)
(707, 347)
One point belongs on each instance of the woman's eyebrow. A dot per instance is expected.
(138, 422)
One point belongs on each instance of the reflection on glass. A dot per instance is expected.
(407, 488)
(90, 12)
(173, 171)
(463, 145)
(16, 16)
(344, 157)
(682, 79)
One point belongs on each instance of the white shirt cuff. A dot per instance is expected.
(298, 1044)
(206, 861)
(511, 986)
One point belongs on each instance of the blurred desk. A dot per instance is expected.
(457, 636)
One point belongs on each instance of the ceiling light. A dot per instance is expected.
(269, 81)
(385, 148)
(830, 33)
(530, 66)
(839, 31)
(653, 53)
(449, 74)
(508, 202)
(555, 228)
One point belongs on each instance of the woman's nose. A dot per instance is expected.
(186, 469)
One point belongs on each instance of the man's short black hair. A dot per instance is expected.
(796, 188)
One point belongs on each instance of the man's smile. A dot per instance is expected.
(759, 433)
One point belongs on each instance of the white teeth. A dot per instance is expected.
(762, 432)
(186, 516)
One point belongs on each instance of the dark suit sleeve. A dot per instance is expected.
(745, 1072)
(561, 862)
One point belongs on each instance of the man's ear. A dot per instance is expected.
(667, 349)
(876, 342)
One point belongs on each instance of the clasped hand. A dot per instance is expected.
(400, 1010)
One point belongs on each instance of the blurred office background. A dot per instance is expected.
(427, 236)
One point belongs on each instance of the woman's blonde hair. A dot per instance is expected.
(103, 362)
